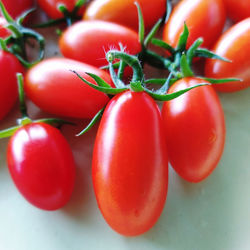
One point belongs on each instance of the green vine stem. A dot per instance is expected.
(16, 42)
(24, 116)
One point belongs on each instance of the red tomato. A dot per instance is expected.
(3, 31)
(88, 41)
(237, 9)
(16, 7)
(195, 130)
(125, 12)
(9, 66)
(204, 18)
(51, 7)
(41, 164)
(130, 165)
(233, 45)
(55, 89)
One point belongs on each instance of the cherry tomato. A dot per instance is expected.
(17, 7)
(125, 12)
(233, 45)
(3, 31)
(9, 66)
(88, 41)
(41, 164)
(237, 10)
(195, 130)
(55, 89)
(130, 165)
(204, 18)
(51, 7)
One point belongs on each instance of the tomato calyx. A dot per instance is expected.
(19, 38)
(69, 17)
(137, 84)
(24, 120)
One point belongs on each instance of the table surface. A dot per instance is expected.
(211, 215)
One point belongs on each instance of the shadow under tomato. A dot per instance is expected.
(196, 216)
(80, 203)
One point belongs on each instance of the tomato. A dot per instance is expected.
(9, 66)
(51, 7)
(233, 45)
(195, 130)
(237, 9)
(88, 41)
(55, 89)
(3, 31)
(17, 7)
(125, 12)
(130, 165)
(42, 166)
(204, 18)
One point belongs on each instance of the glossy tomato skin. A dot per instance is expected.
(88, 41)
(233, 45)
(195, 130)
(51, 7)
(17, 7)
(125, 12)
(3, 31)
(130, 165)
(53, 87)
(42, 166)
(237, 10)
(204, 18)
(9, 66)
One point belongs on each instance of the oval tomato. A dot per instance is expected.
(51, 7)
(195, 130)
(41, 164)
(204, 18)
(9, 66)
(125, 12)
(17, 7)
(130, 166)
(88, 41)
(237, 10)
(233, 45)
(55, 89)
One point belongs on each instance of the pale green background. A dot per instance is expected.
(212, 215)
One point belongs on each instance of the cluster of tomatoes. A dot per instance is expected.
(135, 140)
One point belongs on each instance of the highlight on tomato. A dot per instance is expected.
(125, 12)
(39, 159)
(52, 86)
(195, 130)
(130, 165)
(3, 31)
(204, 18)
(233, 45)
(237, 10)
(88, 41)
(41, 165)
(9, 67)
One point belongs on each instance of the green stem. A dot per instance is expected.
(6, 15)
(96, 118)
(141, 28)
(3, 45)
(132, 61)
(23, 107)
